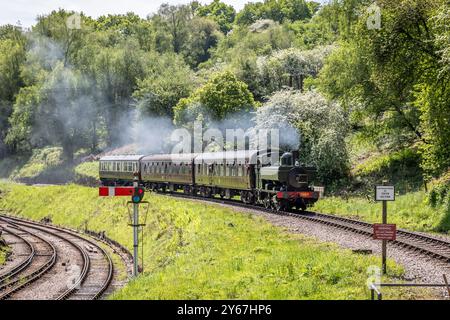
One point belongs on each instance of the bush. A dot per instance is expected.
(401, 168)
(314, 125)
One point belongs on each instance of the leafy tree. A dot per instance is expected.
(308, 121)
(174, 20)
(203, 36)
(220, 12)
(127, 26)
(167, 80)
(220, 97)
(290, 67)
(12, 56)
(277, 10)
(19, 137)
(116, 73)
(261, 38)
(55, 26)
(433, 100)
(58, 112)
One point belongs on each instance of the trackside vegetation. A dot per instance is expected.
(3, 252)
(201, 251)
(411, 211)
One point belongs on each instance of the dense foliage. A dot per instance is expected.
(77, 88)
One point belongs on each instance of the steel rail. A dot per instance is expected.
(405, 238)
(86, 259)
(23, 264)
(17, 284)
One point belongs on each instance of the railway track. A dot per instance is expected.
(40, 259)
(427, 245)
(87, 279)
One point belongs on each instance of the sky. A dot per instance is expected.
(25, 11)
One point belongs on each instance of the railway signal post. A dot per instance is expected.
(384, 231)
(137, 193)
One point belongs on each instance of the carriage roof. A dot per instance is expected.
(181, 157)
(239, 156)
(122, 158)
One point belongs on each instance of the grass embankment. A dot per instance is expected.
(47, 165)
(198, 251)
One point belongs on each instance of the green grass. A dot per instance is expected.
(3, 253)
(199, 251)
(88, 169)
(40, 160)
(410, 211)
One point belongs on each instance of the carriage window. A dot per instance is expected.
(240, 171)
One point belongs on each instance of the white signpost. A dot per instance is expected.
(385, 193)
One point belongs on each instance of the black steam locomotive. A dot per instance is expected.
(283, 185)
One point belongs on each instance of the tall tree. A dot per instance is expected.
(221, 96)
(174, 19)
(220, 12)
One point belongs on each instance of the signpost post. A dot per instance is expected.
(384, 231)
(135, 231)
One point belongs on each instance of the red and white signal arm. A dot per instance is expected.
(115, 191)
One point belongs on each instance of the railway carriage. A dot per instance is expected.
(225, 173)
(168, 171)
(119, 170)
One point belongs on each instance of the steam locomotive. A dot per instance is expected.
(283, 185)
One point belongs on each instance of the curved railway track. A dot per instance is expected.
(93, 273)
(427, 245)
(41, 258)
